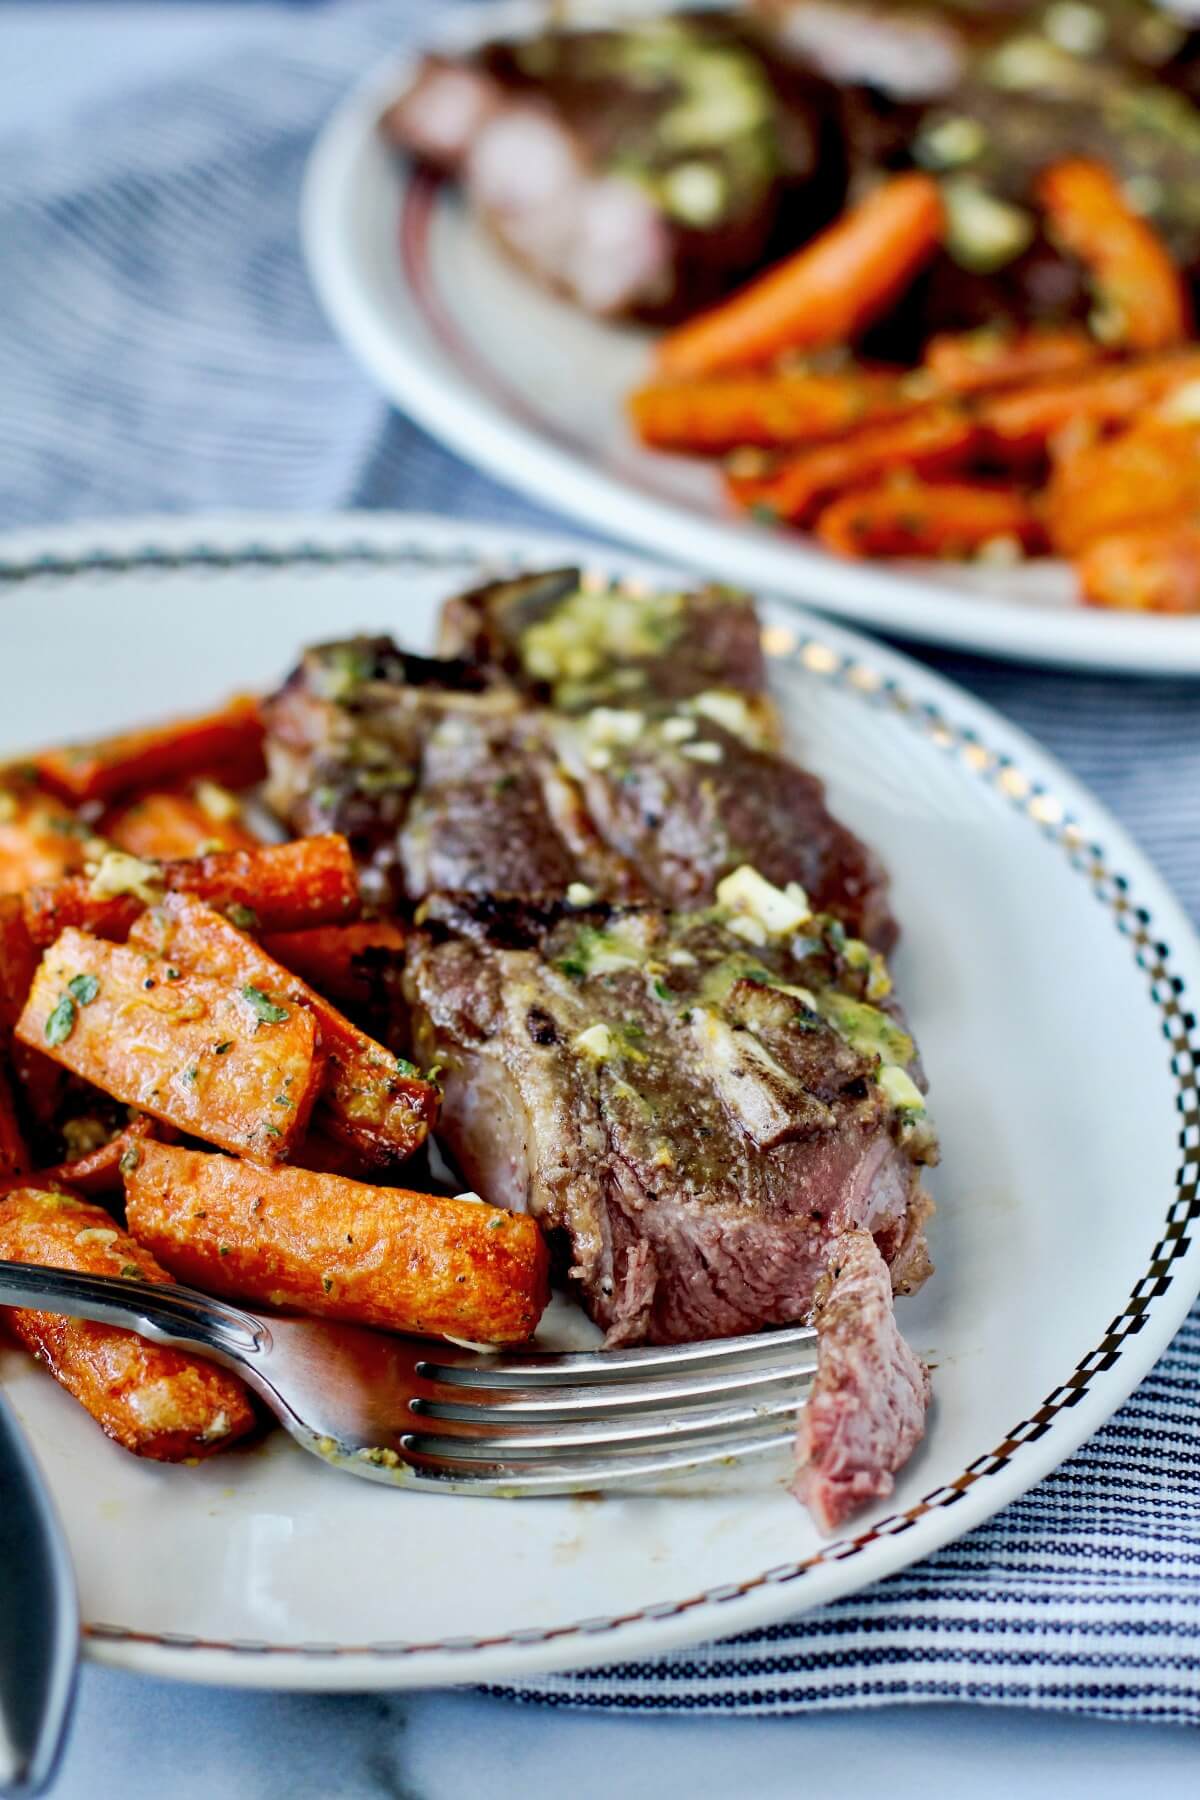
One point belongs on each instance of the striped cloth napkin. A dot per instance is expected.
(160, 350)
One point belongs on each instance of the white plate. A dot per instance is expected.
(530, 389)
(1047, 972)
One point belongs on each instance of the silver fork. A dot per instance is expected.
(429, 1415)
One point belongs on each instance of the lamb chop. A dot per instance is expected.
(695, 1104)
(642, 170)
(515, 773)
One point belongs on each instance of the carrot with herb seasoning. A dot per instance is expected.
(168, 826)
(98, 1171)
(371, 1099)
(1140, 477)
(725, 412)
(40, 838)
(968, 362)
(159, 1403)
(351, 963)
(232, 1064)
(1143, 296)
(1154, 569)
(935, 439)
(1020, 423)
(340, 1249)
(913, 518)
(230, 739)
(826, 293)
(276, 887)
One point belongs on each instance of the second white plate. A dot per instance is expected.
(532, 390)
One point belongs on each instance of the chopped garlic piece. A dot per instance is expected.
(1183, 406)
(901, 1089)
(614, 725)
(729, 710)
(676, 730)
(580, 894)
(599, 759)
(96, 1235)
(216, 802)
(596, 1042)
(119, 873)
(682, 959)
(745, 927)
(778, 910)
(704, 752)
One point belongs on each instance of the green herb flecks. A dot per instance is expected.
(244, 917)
(83, 988)
(265, 1009)
(61, 1022)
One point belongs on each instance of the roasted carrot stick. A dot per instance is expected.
(347, 962)
(99, 1171)
(369, 1098)
(1154, 569)
(40, 839)
(723, 412)
(937, 438)
(927, 519)
(40, 1081)
(1143, 298)
(967, 362)
(278, 887)
(156, 1402)
(322, 1244)
(230, 739)
(824, 294)
(14, 1157)
(168, 825)
(1144, 475)
(232, 1064)
(1024, 420)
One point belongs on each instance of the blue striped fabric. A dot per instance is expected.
(160, 350)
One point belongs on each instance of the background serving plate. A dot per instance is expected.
(533, 390)
(1048, 974)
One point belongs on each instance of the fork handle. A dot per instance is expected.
(165, 1312)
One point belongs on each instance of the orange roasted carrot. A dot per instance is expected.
(14, 1157)
(1143, 297)
(937, 438)
(1144, 475)
(1024, 420)
(348, 962)
(1153, 569)
(824, 294)
(371, 1099)
(721, 412)
(40, 1081)
(968, 361)
(232, 1064)
(322, 1244)
(40, 839)
(168, 825)
(98, 1171)
(277, 887)
(230, 739)
(156, 1402)
(915, 518)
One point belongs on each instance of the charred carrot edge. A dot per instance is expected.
(156, 1402)
(1148, 473)
(277, 887)
(14, 1157)
(230, 1064)
(826, 292)
(369, 1098)
(1142, 294)
(725, 412)
(927, 519)
(99, 1171)
(970, 361)
(1155, 569)
(40, 838)
(935, 439)
(1024, 420)
(341, 1249)
(343, 961)
(103, 770)
(168, 826)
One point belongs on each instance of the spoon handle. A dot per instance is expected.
(39, 1621)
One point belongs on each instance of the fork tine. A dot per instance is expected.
(553, 1403)
(476, 1441)
(535, 1368)
(581, 1474)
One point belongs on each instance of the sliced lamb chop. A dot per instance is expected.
(694, 1116)
(866, 1413)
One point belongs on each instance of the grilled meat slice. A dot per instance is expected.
(695, 1116)
(451, 776)
(866, 1413)
(643, 170)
